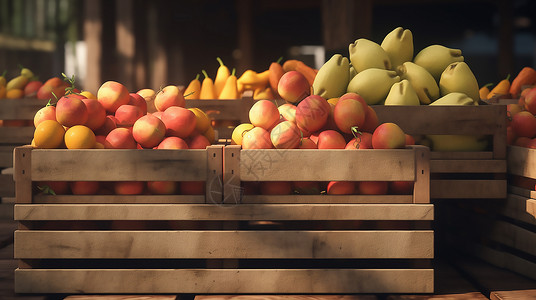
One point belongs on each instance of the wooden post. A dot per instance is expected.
(421, 188)
(157, 50)
(244, 9)
(232, 192)
(92, 37)
(125, 42)
(506, 39)
(22, 159)
(338, 21)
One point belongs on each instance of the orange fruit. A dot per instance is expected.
(80, 137)
(3, 91)
(210, 134)
(15, 94)
(49, 135)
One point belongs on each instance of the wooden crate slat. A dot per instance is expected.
(512, 295)
(87, 199)
(285, 297)
(443, 188)
(468, 166)
(207, 212)
(20, 109)
(122, 297)
(119, 165)
(531, 207)
(455, 155)
(7, 185)
(16, 135)
(517, 208)
(483, 119)
(327, 199)
(224, 281)
(521, 192)
(500, 259)
(274, 165)
(288, 244)
(522, 161)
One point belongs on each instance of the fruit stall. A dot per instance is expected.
(388, 171)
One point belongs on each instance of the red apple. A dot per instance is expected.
(148, 131)
(111, 95)
(388, 136)
(179, 121)
(120, 138)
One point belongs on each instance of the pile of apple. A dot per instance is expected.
(521, 130)
(27, 85)
(117, 119)
(313, 122)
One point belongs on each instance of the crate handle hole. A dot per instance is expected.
(232, 154)
(22, 172)
(232, 172)
(213, 154)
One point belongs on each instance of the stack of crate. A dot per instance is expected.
(17, 130)
(226, 241)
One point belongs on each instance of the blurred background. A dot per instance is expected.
(150, 44)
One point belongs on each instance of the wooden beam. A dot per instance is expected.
(338, 25)
(92, 38)
(125, 42)
(244, 9)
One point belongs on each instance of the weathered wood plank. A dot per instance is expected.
(206, 212)
(531, 207)
(483, 189)
(16, 135)
(371, 165)
(210, 281)
(96, 199)
(468, 166)
(7, 186)
(20, 109)
(119, 165)
(522, 161)
(477, 155)
(231, 244)
(296, 199)
(513, 295)
(122, 297)
(285, 297)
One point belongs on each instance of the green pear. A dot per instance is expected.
(366, 54)
(436, 58)
(421, 80)
(454, 98)
(399, 46)
(458, 77)
(332, 78)
(373, 84)
(402, 93)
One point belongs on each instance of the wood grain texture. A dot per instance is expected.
(513, 295)
(16, 135)
(522, 161)
(232, 244)
(122, 297)
(20, 109)
(421, 187)
(521, 191)
(285, 297)
(477, 155)
(483, 189)
(211, 281)
(96, 199)
(7, 186)
(119, 165)
(531, 207)
(206, 212)
(371, 165)
(22, 158)
(468, 166)
(343, 199)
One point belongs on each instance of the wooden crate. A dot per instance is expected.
(11, 137)
(225, 114)
(389, 236)
(212, 248)
(459, 175)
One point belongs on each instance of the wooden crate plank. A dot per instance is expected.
(122, 297)
(513, 295)
(288, 244)
(468, 166)
(206, 212)
(483, 189)
(521, 191)
(16, 135)
(327, 199)
(6, 252)
(531, 207)
(371, 165)
(211, 281)
(6, 232)
(489, 278)
(517, 208)
(483, 119)
(7, 185)
(522, 161)
(285, 297)
(87, 199)
(119, 165)
(22, 158)
(20, 109)
(477, 155)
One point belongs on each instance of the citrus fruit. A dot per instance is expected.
(80, 137)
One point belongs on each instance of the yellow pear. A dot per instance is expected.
(366, 54)
(332, 78)
(373, 84)
(398, 44)
(353, 72)
(458, 77)
(26, 73)
(18, 82)
(454, 98)
(421, 80)
(436, 58)
(402, 93)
